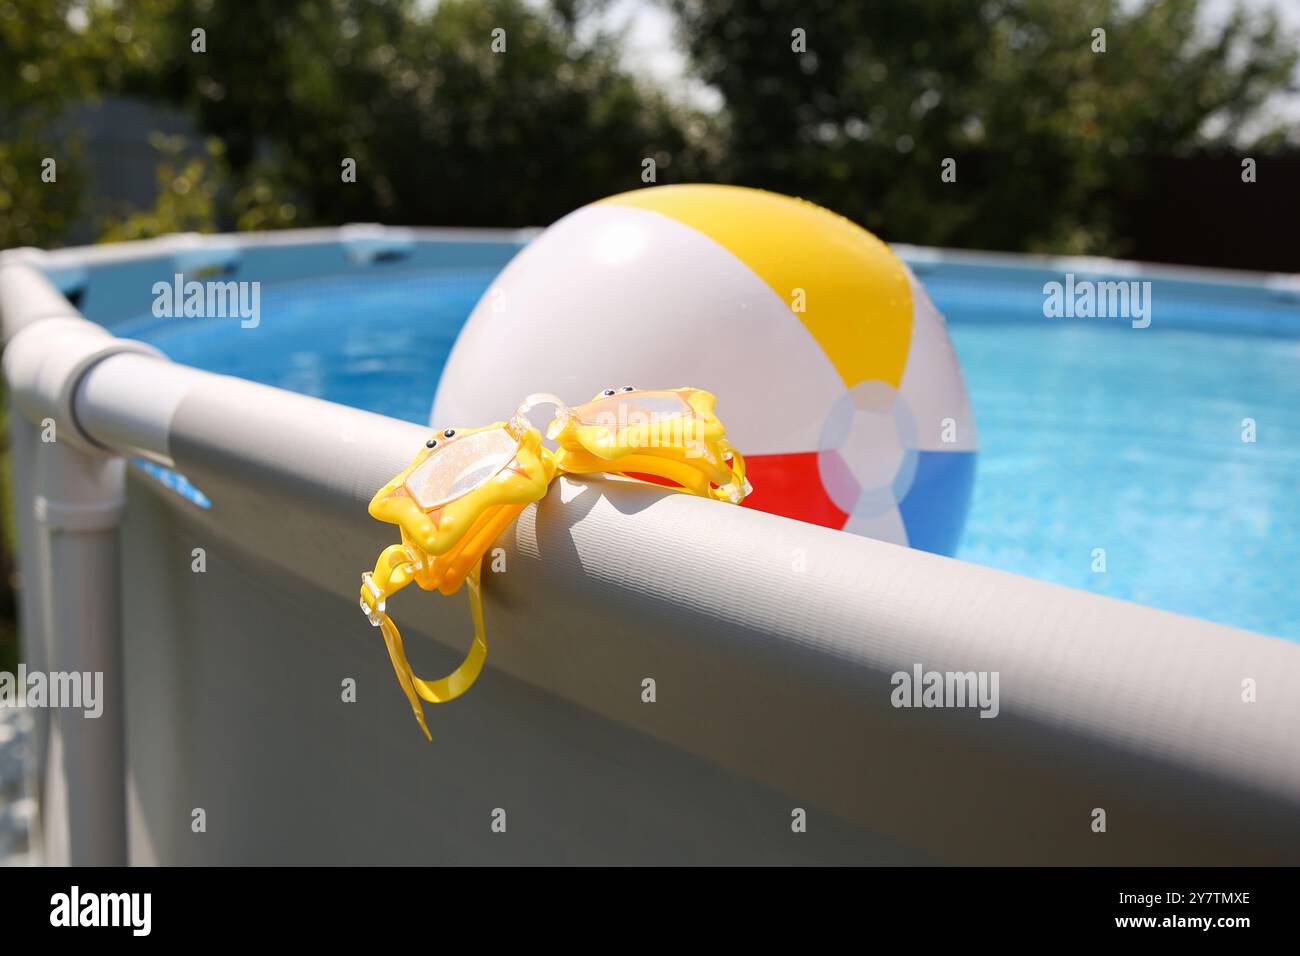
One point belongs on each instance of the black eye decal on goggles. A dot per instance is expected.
(433, 442)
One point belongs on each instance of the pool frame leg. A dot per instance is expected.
(72, 491)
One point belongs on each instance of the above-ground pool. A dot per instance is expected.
(1112, 458)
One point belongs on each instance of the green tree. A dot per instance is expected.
(41, 70)
(186, 199)
(56, 55)
(443, 128)
(1048, 134)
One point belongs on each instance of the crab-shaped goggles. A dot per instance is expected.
(466, 485)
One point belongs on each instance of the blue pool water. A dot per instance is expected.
(1093, 435)
(1132, 443)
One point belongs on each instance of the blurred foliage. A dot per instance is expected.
(42, 68)
(1049, 136)
(187, 194)
(54, 55)
(443, 129)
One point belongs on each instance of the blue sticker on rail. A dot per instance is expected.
(173, 480)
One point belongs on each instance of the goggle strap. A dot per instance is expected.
(520, 421)
(463, 677)
(402, 668)
(739, 487)
(458, 681)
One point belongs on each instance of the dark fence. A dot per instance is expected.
(1195, 210)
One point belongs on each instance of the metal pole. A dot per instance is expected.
(77, 508)
(72, 492)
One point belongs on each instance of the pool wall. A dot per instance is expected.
(773, 677)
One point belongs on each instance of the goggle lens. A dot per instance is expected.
(461, 465)
(632, 410)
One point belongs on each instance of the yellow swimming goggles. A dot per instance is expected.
(466, 485)
(672, 435)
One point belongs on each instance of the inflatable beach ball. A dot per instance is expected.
(833, 370)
